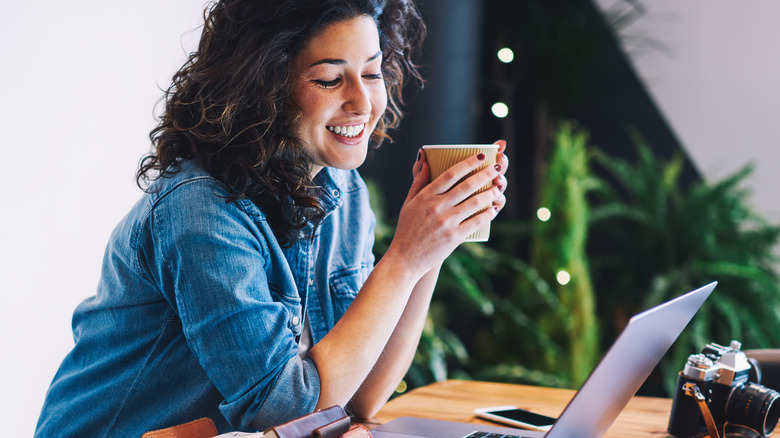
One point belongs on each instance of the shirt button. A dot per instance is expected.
(311, 282)
(336, 193)
(295, 320)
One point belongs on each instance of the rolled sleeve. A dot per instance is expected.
(295, 394)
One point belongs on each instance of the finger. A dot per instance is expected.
(447, 180)
(471, 185)
(499, 203)
(477, 221)
(500, 156)
(502, 160)
(450, 177)
(476, 203)
(421, 179)
(500, 181)
(501, 145)
(418, 164)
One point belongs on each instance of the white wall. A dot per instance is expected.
(78, 81)
(716, 84)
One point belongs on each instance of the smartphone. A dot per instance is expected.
(514, 416)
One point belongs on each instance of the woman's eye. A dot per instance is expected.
(327, 84)
(373, 77)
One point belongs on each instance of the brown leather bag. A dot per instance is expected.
(200, 428)
(332, 422)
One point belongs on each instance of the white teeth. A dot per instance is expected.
(347, 131)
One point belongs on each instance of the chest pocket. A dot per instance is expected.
(344, 287)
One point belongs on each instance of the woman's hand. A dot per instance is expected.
(500, 180)
(435, 218)
(437, 215)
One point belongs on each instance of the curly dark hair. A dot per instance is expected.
(229, 105)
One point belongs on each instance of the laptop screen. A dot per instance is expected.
(624, 368)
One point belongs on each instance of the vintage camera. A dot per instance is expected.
(725, 379)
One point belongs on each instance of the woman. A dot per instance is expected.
(242, 287)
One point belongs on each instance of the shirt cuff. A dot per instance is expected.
(294, 393)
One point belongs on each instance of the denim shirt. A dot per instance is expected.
(199, 311)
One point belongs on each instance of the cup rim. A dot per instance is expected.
(460, 146)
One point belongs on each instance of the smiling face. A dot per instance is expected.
(339, 89)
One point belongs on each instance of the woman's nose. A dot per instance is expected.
(357, 100)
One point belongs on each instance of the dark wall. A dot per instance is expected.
(617, 100)
(568, 65)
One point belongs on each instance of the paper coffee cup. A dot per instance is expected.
(441, 157)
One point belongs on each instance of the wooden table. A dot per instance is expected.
(455, 400)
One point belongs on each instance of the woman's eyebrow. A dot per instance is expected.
(332, 61)
(337, 61)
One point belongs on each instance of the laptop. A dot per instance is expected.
(604, 394)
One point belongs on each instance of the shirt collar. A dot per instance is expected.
(332, 184)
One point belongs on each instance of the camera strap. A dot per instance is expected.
(694, 391)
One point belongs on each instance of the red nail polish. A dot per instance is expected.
(481, 157)
(497, 167)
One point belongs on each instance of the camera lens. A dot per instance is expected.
(755, 406)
